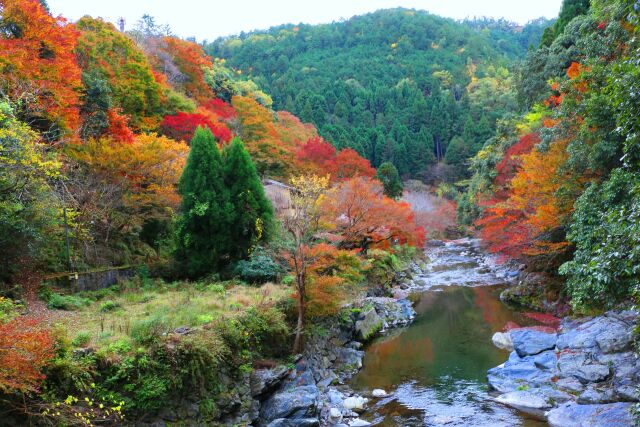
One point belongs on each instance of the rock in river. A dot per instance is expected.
(295, 402)
(575, 415)
(369, 325)
(502, 340)
(529, 342)
(525, 401)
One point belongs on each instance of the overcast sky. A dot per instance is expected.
(213, 18)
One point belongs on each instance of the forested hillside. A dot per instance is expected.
(396, 85)
(557, 187)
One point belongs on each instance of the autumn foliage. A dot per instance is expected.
(25, 349)
(37, 64)
(364, 217)
(182, 126)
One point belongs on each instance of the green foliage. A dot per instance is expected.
(67, 302)
(8, 309)
(388, 175)
(259, 268)
(569, 10)
(30, 213)
(206, 211)
(149, 330)
(109, 305)
(373, 92)
(222, 196)
(606, 231)
(252, 216)
(81, 339)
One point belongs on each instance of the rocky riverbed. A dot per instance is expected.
(314, 391)
(585, 374)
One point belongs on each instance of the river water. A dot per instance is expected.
(435, 369)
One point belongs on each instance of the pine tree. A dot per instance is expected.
(388, 175)
(203, 238)
(252, 212)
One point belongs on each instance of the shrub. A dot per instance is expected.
(8, 309)
(67, 302)
(149, 330)
(81, 339)
(259, 268)
(109, 305)
(26, 346)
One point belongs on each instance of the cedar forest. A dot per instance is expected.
(256, 183)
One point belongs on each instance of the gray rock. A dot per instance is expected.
(335, 415)
(596, 395)
(627, 393)
(302, 401)
(525, 401)
(570, 384)
(369, 325)
(592, 373)
(354, 403)
(617, 337)
(502, 340)
(302, 422)
(359, 423)
(517, 371)
(606, 415)
(607, 333)
(378, 392)
(529, 342)
(264, 381)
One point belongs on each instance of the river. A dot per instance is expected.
(435, 369)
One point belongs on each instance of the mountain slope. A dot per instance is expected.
(395, 85)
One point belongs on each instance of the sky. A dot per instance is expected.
(207, 20)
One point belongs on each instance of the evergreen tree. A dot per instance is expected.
(203, 238)
(252, 212)
(388, 175)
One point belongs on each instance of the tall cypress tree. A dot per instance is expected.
(253, 217)
(203, 237)
(388, 175)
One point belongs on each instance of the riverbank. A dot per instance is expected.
(585, 373)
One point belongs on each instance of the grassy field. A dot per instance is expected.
(118, 314)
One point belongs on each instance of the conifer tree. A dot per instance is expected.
(203, 238)
(252, 212)
(388, 175)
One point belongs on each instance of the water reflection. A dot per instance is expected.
(436, 367)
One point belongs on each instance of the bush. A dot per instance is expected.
(259, 268)
(605, 228)
(67, 302)
(81, 339)
(109, 305)
(149, 330)
(8, 309)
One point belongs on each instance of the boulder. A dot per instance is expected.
(521, 370)
(359, 423)
(502, 340)
(608, 333)
(529, 342)
(355, 403)
(378, 392)
(299, 401)
(525, 401)
(596, 395)
(369, 325)
(576, 415)
(616, 337)
(302, 422)
(264, 381)
(592, 373)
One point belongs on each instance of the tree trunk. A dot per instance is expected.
(297, 343)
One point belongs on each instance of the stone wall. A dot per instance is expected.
(92, 280)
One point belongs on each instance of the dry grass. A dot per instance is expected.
(112, 319)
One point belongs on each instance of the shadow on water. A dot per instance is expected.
(436, 368)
